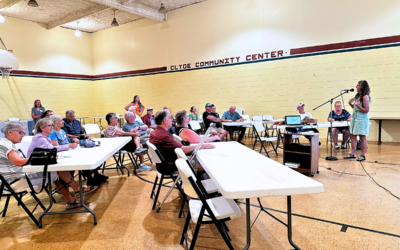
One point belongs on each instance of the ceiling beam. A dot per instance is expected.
(7, 3)
(134, 8)
(74, 16)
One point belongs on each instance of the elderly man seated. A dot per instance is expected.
(166, 144)
(339, 114)
(148, 118)
(134, 145)
(232, 116)
(73, 127)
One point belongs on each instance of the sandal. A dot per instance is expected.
(91, 189)
(350, 156)
(361, 158)
(74, 204)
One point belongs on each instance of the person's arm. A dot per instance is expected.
(351, 102)
(189, 149)
(213, 118)
(16, 159)
(120, 132)
(224, 118)
(365, 102)
(330, 117)
(143, 107)
(127, 106)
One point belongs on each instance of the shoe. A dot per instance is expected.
(344, 146)
(337, 146)
(144, 167)
(140, 151)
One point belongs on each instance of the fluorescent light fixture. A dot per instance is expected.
(114, 22)
(33, 3)
(162, 9)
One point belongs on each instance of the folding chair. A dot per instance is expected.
(258, 127)
(329, 137)
(206, 210)
(239, 110)
(119, 158)
(91, 129)
(157, 158)
(177, 138)
(7, 191)
(247, 119)
(195, 126)
(13, 119)
(208, 184)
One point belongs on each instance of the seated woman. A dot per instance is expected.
(193, 115)
(47, 114)
(58, 137)
(12, 161)
(189, 136)
(113, 130)
(339, 115)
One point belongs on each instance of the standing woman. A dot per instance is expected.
(360, 121)
(139, 107)
(193, 115)
(37, 111)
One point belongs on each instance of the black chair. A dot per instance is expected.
(7, 191)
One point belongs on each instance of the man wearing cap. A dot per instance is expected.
(210, 117)
(305, 116)
(148, 119)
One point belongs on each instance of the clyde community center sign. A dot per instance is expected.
(231, 60)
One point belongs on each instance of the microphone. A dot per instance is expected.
(348, 90)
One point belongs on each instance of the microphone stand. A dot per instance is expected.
(332, 158)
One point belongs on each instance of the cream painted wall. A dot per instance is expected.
(56, 50)
(224, 28)
(273, 87)
(17, 95)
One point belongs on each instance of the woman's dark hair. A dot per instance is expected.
(109, 116)
(364, 90)
(160, 116)
(191, 109)
(44, 114)
(34, 103)
(134, 101)
(180, 116)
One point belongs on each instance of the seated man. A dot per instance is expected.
(306, 117)
(339, 114)
(232, 116)
(209, 117)
(73, 127)
(166, 144)
(134, 145)
(148, 119)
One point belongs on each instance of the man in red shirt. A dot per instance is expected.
(166, 144)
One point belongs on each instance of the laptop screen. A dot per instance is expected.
(293, 120)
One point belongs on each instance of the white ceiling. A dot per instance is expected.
(93, 15)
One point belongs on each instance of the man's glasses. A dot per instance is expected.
(21, 132)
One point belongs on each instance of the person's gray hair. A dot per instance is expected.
(69, 111)
(42, 123)
(12, 126)
(128, 114)
(160, 116)
(54, 118)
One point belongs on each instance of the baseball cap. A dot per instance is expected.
(300, 105)
(209, 105)
(149, 108)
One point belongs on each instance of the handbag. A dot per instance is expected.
(42, 156)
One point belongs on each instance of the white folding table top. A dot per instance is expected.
(237, 123)
(240, 172)
(84, 158)
(322, 125)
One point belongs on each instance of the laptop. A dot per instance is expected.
(293, 120)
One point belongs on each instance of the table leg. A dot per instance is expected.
(289, 222)
(50, 200)
(82, 201)
(380, 132)
(248, 224)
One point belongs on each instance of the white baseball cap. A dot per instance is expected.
(300, 105)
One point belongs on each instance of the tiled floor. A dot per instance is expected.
(126, 221)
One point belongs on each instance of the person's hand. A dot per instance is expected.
(331, 120)
(74, 140)
(207, 146)
(349, 119)
(351, 100)
(229, 120)
(72, 145)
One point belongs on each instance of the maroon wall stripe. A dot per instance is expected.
(63, 75)
(346, 45)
